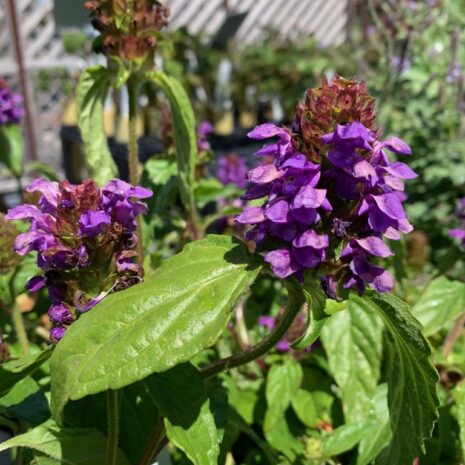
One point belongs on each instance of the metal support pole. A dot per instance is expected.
(24, 81)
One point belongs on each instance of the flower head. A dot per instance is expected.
(129, 28)
(331, 193)
(11, 105)
(84, 237)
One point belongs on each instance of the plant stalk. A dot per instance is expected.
(17, 319)
(113, 426)
(453, 335)
(155, 444)
(296, 300)
(133, 150)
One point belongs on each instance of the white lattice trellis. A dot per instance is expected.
(43, 50)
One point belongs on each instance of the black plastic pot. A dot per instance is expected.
(73, 157)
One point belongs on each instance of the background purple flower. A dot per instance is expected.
(11, 105)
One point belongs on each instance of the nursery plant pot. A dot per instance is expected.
(73, 156)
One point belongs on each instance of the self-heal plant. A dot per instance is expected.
(331, 192)
(85, 242)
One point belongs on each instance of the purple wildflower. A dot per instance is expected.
(11, 108)
(330, 200)
(85, 239)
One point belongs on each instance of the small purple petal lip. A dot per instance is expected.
(251, 215)
(35, 284)
(267, 321)
(281, 262)
(92, 223)
(375, 246)
(264, 174)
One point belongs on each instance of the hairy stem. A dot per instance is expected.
(18, 321)
(133, 149)
(453, 335)
(113, 426)
(155, 444)
(296, 300)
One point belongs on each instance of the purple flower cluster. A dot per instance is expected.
(328, 214)
(85, 240)
(232, 169)
(459, 233)
(11, 108)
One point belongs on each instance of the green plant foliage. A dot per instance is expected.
(15, 370)
(317, 316)
(11, 148)
(411, 381)
(282, 384)
(175, 314)
(440, 304)
(184, 133)
(183, 402)
(71, 446)
(353, 344)
(94, 85)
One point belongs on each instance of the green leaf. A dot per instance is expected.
(70, 446)
(183, 402)
(184, 133)
(304, 407)
(317, 317)
(15, 370)
(282, 383)
(441, 303)
(175, 314)
(459, 396)
(91, 93)
(11, 148)
(379, 432)
(281, 438)
(353, 341)
(138, 415)
(345, 437)
(411, 380)
(26, 401)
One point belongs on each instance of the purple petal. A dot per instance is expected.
(383, 282)
(281, 263)
(35, 284)
(308, 257)
(397, 145)
(283, 346)
(401, 170)
(285, 231)
(267, 321)
(390, 205)
(256, 191)
(305, 215)
(60, 313)
(308, 197)
(311, 239)
(457, 234)
(92, 223)
(264, 174)
(56, 334)
(363, 169)
(251, 215)
(267, 130)
(50, 192)
(278, 212)
(375, 246)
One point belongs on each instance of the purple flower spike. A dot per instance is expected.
(331, 195)
(84, 239)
